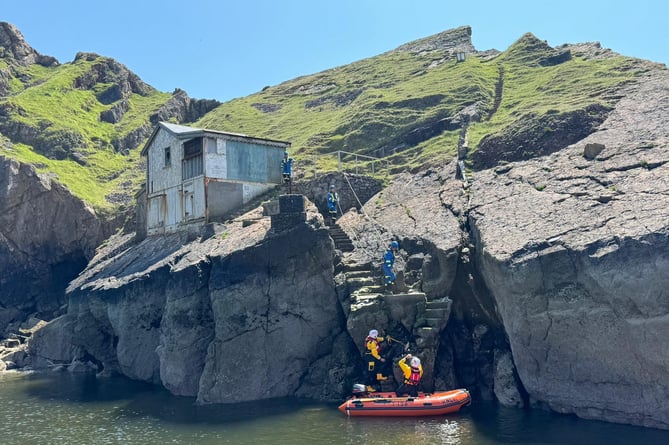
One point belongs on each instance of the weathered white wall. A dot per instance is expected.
(251, 191)
(174, 209)
(164, 183)
(161, 177)
(248, 161)
(216, 165)
(155, 219)
(237, 171)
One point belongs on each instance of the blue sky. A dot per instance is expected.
(222, 49)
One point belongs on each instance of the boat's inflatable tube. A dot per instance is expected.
(382, 404)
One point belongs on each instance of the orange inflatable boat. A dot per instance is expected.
(381, 404)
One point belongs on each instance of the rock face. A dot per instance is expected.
(15, 48)
(529, 138)
(576, 253)
(458, 39)
(421, 211)
(46, 238)
(426, 213)
(244, 313)
(566, 255)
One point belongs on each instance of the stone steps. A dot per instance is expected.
(434, 322)
(426, 331)
(355, 284)
(444, 303)
(349, 267)
(439, 313)
(372, 289)
(358, 273)
(340, 238)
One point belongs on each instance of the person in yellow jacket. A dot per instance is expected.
(413, 371)
(376, 364)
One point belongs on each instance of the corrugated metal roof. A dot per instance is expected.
(179, 129)
(182, 131)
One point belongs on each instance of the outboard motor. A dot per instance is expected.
(359, 390)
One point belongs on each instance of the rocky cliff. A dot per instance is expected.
(46, 238)
(14, 47)
(239, 313)
(575, 249)
(83, 120)
(541, 282)
(566, 256)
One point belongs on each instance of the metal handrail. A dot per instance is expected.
(349, 153)
(339, 161)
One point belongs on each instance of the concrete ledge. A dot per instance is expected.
(291, 203)
(285, 221)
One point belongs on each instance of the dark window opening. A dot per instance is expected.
(193, 148)
(168, 157)
(192, 162)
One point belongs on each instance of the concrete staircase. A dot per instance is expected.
(368, 299)
(437, 312)
(432, 319)
(340, 238)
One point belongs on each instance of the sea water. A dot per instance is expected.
(66, 409)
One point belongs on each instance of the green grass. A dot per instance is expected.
(92, 183)
(397, 105)
(47, 100)
(531, 89)
(398, 92)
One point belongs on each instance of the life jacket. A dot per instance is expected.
(376, 345)
(414, 377)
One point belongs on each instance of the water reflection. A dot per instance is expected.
(65, 409)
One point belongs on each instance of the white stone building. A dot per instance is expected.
(195, 176)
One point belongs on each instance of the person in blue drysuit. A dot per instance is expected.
(286, 167)
(389, 262)
(333, 202)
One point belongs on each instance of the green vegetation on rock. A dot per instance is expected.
(53, 117)
(412, 107)
(408, 108)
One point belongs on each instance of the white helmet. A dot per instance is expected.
(373, 333)
(415, 362)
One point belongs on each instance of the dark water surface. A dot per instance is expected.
(64, 409)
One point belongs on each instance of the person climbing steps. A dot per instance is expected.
(388, 263)
(333, 203)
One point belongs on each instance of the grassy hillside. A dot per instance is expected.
(405, 106)
(86, 121)
(53, 117)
